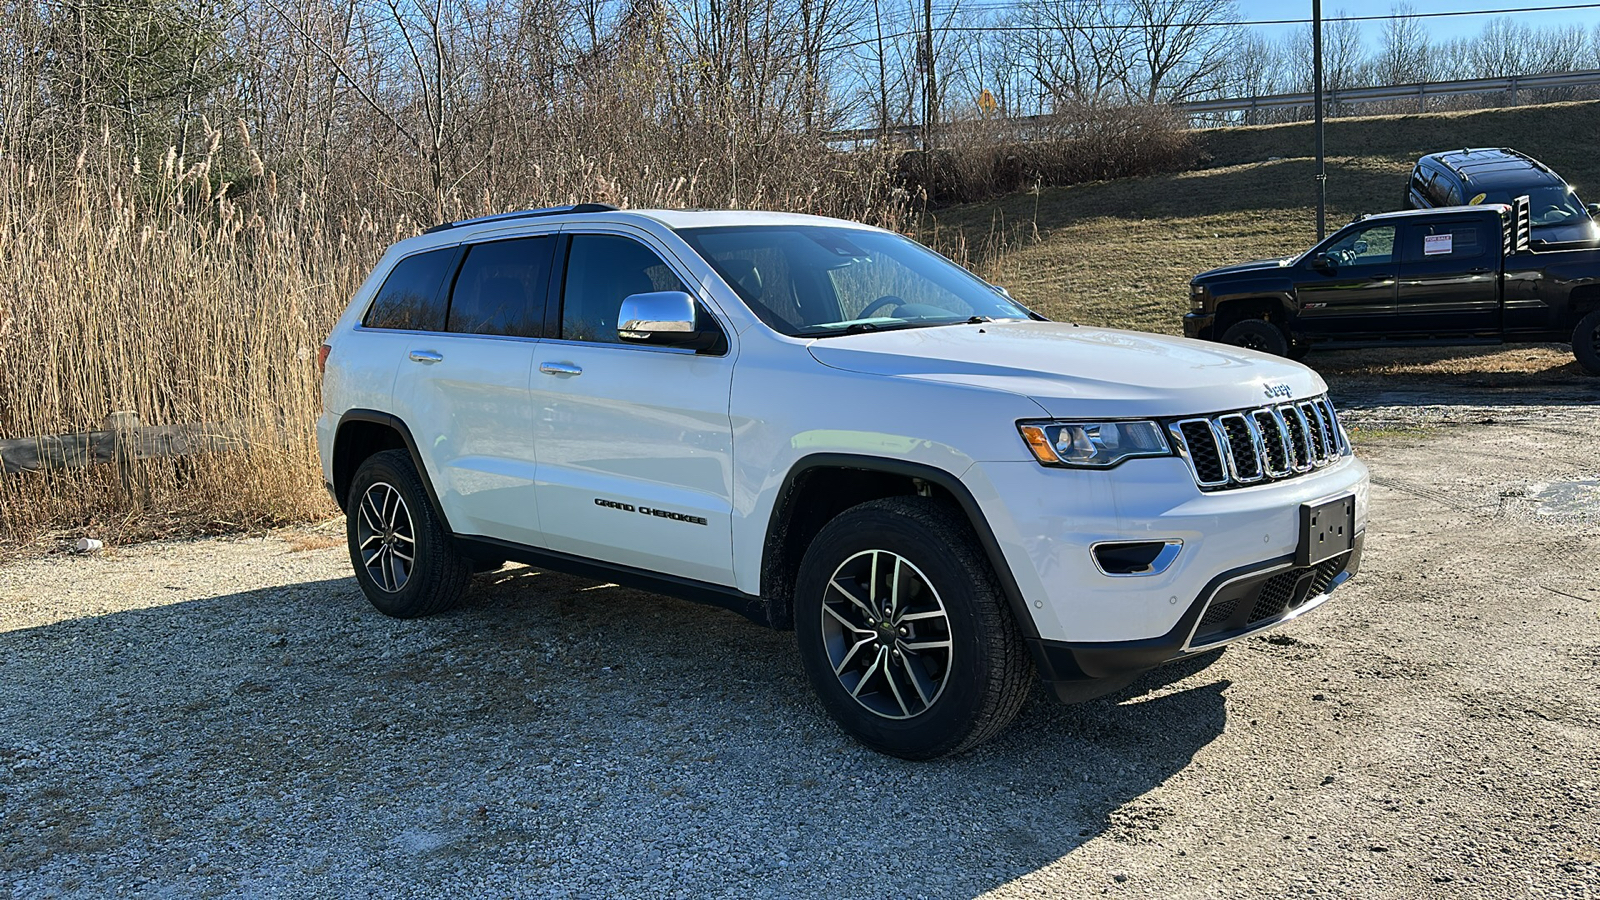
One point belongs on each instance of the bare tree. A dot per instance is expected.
(1405, 56)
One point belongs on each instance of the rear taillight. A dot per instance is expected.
(322, 359)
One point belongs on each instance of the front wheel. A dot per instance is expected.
(904, 633)
(1586, 342)
(1257, 334)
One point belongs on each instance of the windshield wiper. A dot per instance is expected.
(979, 320)
(858, 327)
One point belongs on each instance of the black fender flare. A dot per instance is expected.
(933, 475)
(396, 424)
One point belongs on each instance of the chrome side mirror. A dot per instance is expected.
(663, 317)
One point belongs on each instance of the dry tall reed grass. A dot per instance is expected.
(187, 299)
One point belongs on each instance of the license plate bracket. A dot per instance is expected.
(1327, 529)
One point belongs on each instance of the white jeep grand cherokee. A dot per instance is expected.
(827, 427)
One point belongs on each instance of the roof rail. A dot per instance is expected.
(525, 214)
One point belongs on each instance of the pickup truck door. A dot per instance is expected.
(1449, 277)
(1354, 291)
(635, 442)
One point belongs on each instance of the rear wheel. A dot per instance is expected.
(1586, 342)
(403, 557)
(1257, 334)
(904, 633)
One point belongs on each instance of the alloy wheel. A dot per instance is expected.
(887, 634)
(386, 537)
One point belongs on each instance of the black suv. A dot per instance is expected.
(1498, 175)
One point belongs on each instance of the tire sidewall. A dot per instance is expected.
(394, 468)
(954, 711)
(1272, 338)
(1584, 345)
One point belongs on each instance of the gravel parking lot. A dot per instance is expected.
(229, 717)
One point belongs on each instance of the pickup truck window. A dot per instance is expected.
(1364, 247)
(1439, 241)
(501, 288)
(817, 281)
(602, 270)
(412, 298)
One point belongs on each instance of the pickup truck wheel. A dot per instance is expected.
(1586, 342)
(404, 560)
(1257, 334)
(903, 630)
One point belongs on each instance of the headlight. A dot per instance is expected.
(1197, 297)
(1095, 445)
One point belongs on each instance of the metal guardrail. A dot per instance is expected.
(1420, 92)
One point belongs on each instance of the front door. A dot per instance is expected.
(635, 442)
(1354, 291)
(1450, 278)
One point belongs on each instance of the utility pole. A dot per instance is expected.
(930, 112)
(1316, 95)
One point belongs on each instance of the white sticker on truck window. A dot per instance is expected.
(1437, 244)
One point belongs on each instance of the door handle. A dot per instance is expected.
(428, 357)
(553, 368)
(1483, 271)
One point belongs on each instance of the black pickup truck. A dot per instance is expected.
(1452, 276)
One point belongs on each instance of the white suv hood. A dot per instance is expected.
(1074, 371)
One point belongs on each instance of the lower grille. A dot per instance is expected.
(1255, 604)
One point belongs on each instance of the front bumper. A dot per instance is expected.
(1199, 325)
(1045, 522)
(1234, 605)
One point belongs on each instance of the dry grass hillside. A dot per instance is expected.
(1121, 252)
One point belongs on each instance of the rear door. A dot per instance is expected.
(635, 441)
(1449, 276)
(1355, 293)
(463, 389)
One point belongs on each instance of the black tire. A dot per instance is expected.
(1586, 342)
(1299, 350)
(388, 508)
(1257, 334)
(967, 693)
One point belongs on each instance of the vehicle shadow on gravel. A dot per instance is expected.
(566, 736)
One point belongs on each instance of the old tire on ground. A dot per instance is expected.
(1257, 334)
(403, 558)
(1586, 342)
(903, 630)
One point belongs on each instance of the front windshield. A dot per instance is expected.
(1550, 205)
(818, 280)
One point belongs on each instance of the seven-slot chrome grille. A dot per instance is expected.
(1251, 446)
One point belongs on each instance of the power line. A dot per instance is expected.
(1240, 23)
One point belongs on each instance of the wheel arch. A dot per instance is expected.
(1584, 299)
(363, 432)
(794, 523)
(1274, 306)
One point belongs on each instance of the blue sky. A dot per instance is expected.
(1442, 29)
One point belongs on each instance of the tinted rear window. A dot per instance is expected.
(412, 297)
(502, 287)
